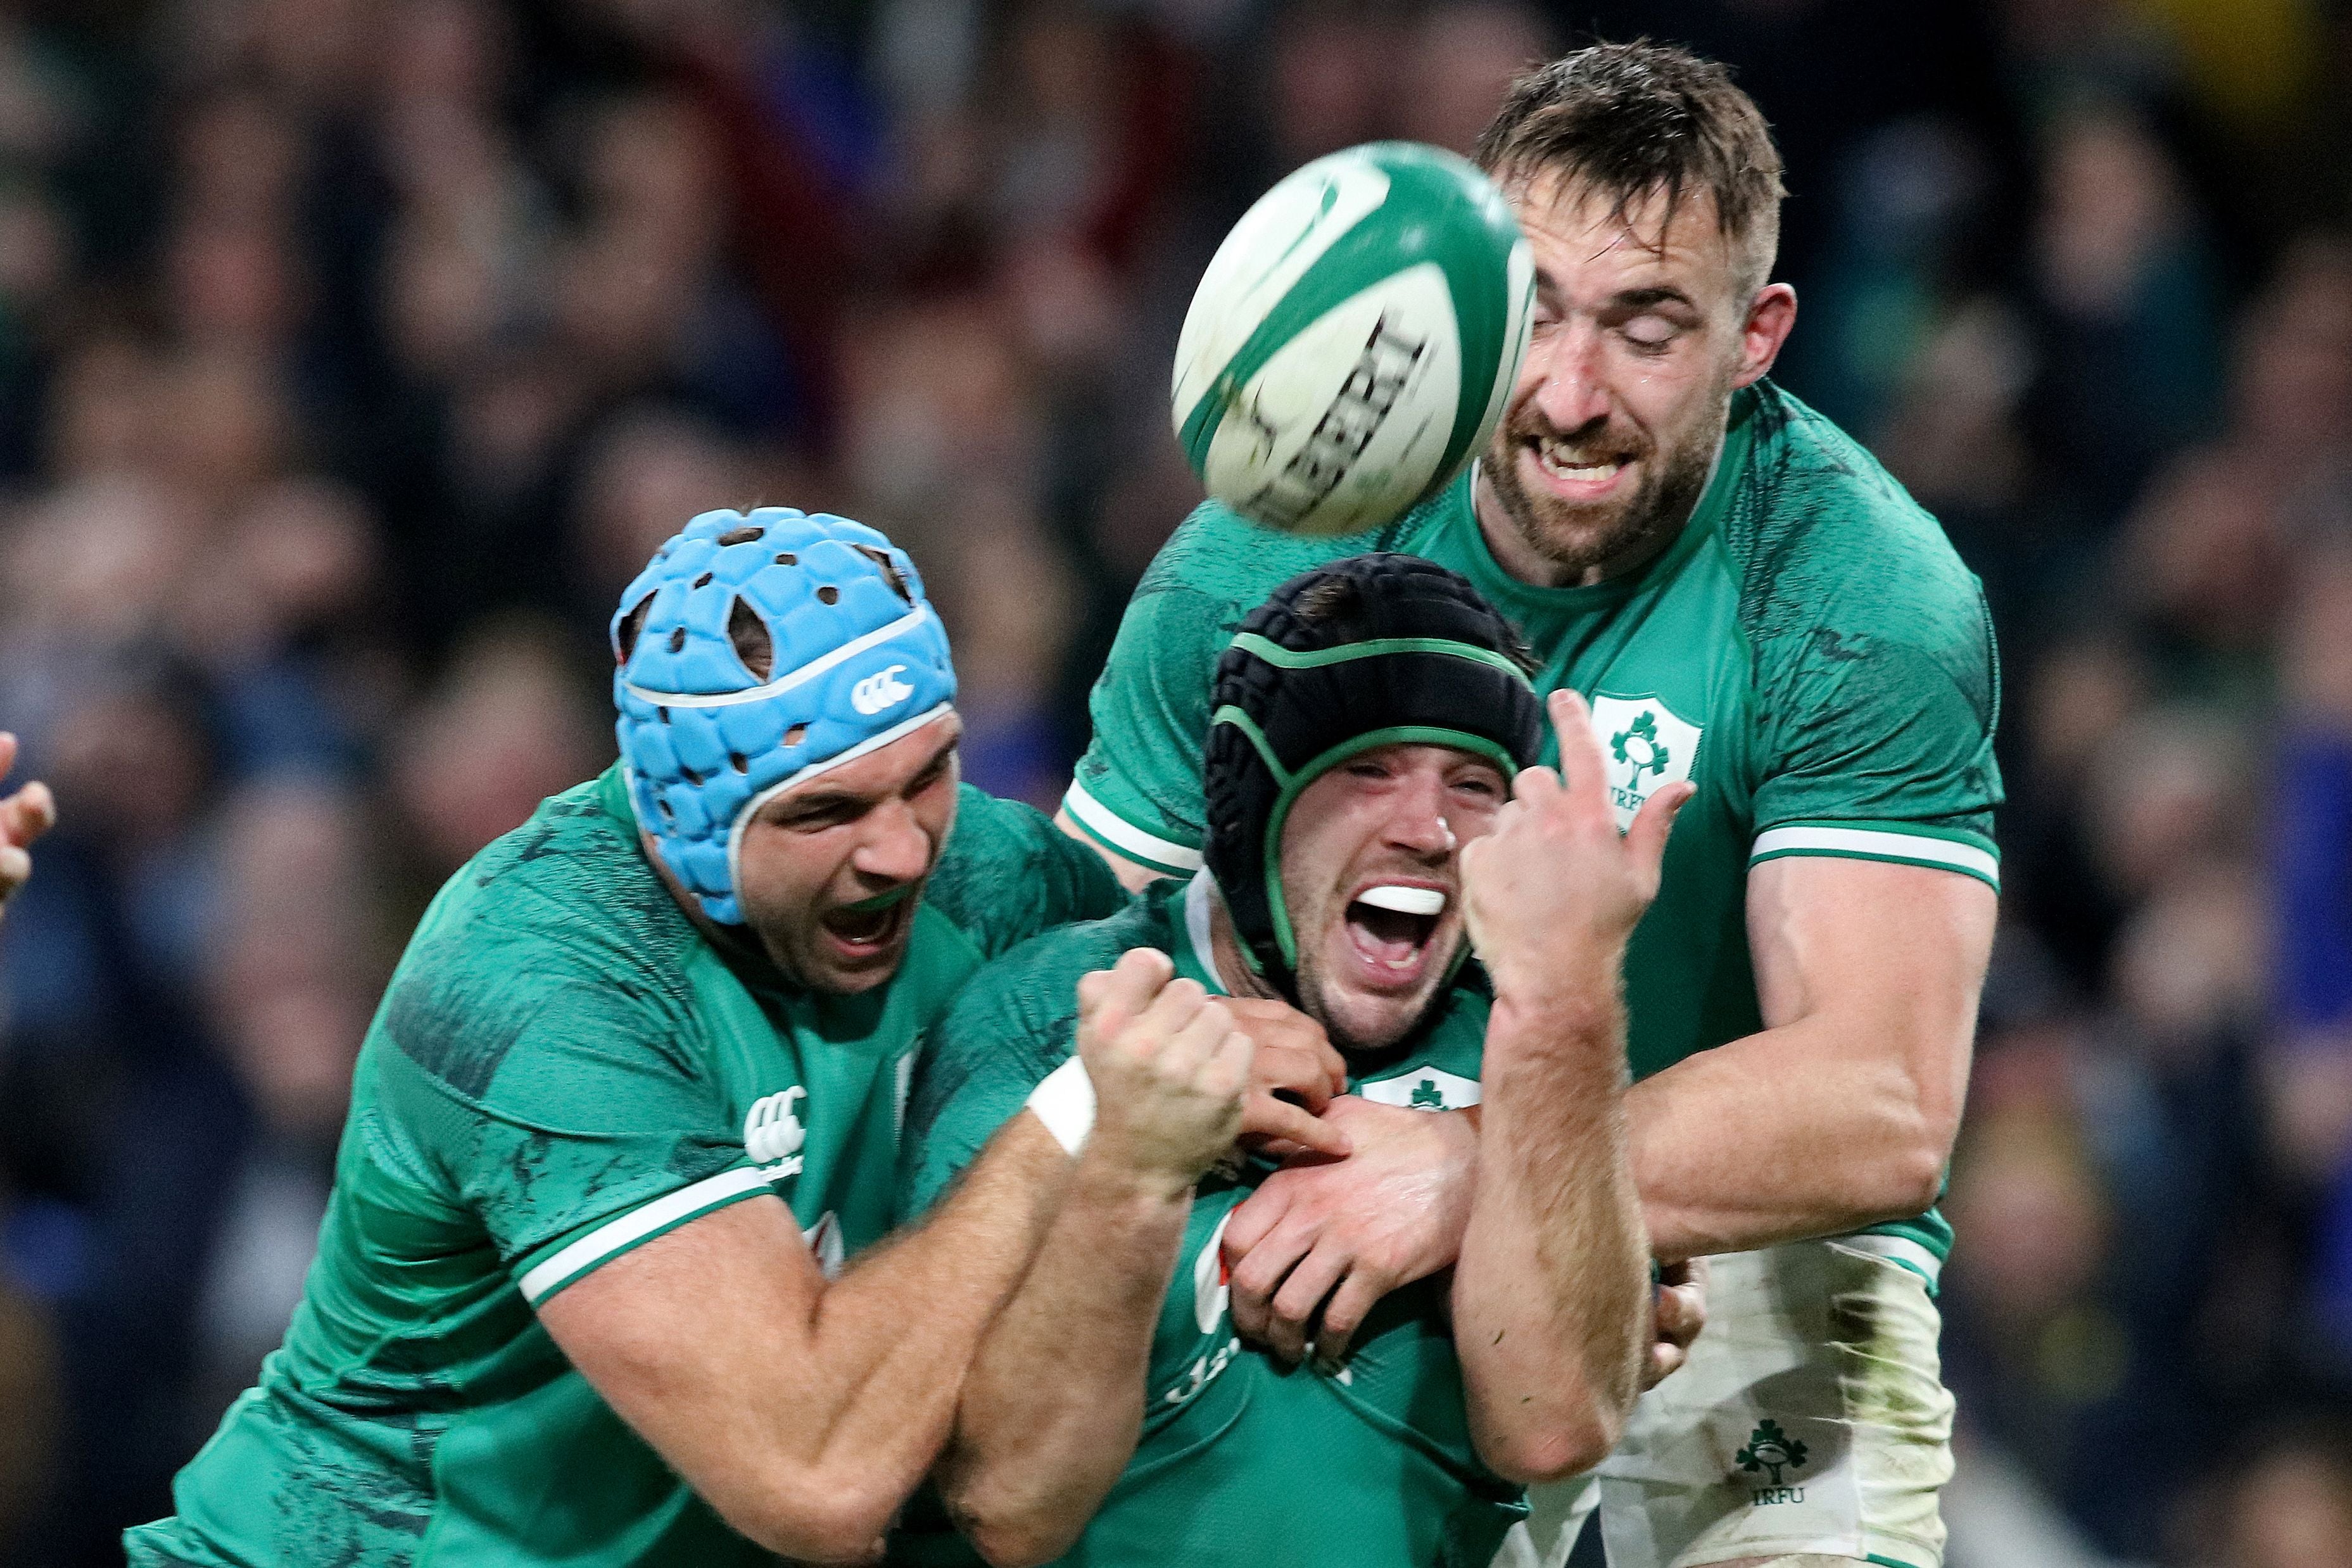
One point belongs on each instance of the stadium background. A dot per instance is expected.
(354, 353)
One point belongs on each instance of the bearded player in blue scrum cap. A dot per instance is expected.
(633, 1096)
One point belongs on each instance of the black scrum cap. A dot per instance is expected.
(1370, 651)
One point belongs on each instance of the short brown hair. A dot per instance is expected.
(1634, 120)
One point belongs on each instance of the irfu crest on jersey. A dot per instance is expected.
(1645, 745)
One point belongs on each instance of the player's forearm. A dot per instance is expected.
(1550, 1298)
(1813, 1128)
(891, 1339)
(1052, 1410)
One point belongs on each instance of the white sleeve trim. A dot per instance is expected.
(1124, 837)
(615, 1236)
(1919, 848)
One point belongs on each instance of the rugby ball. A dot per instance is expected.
(1354, 340)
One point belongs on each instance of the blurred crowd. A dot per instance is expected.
(354, 353)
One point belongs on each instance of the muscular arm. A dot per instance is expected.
(1055, 1402)
(803, 1412)
(1841, 1113)
(1551, 1294)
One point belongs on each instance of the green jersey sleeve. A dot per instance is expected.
(1138, 788)
(1137, 791)
(1877, 683)
(1016, 1021)
(554, 1094)
(1008, 873)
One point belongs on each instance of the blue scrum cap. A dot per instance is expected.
(857, 659)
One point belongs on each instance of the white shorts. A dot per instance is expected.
(1811, 1418)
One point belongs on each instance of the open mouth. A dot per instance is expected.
(1574, 468)
(872, 925)
(1391, 925)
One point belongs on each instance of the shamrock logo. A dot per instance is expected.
(1770, 1448)
(1638, 744)
(1426, 1096)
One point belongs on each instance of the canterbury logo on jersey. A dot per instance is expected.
(771, 1132)
(876, 692)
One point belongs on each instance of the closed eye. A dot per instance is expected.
(1649, 335)
(816, 816)
(938, 769)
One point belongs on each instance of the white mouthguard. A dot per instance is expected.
(1404, 901)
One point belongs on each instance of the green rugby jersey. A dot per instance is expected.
(1810, 652)
(1242, 1461)
(562, 1068)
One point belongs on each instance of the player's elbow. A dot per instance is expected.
(1907, 1175)
(1532, 1438)
(1011, 1532)
(818, 1521)
(1552, 1450)
(1898, 1173)
(1008, 1543)
(1911, 1178)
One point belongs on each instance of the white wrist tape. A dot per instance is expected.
(1064, 1102)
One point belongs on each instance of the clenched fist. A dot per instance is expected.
(1552, 894)
(1169, 1067)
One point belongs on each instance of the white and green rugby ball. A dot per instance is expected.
(1355, 339)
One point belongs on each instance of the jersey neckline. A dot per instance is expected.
(1497, 584)
(1193, 947)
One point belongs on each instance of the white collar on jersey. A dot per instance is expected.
(1199, 895)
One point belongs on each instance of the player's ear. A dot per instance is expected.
(1771, 314)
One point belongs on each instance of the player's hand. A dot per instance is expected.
(25, 815)
(1677, 1313)
(1169, 1067)
(1552, 894)
(1318, 1243)
(1294, 1076)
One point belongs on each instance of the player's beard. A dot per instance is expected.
(1631, 528)
(1345, 1040)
